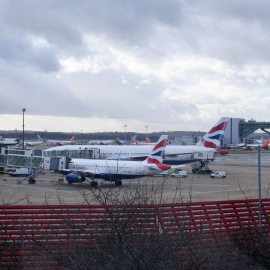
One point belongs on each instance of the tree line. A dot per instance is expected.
(32, 135)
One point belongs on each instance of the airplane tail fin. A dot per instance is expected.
(18, 138)
(44, 140)
(148, 140)
(265, 144)
(39, 138)
(72, 139)
(213, 138)
(133, 141)
(157, 155)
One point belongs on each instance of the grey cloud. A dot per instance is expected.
(41, 94)
(18, 49)
(234, 33)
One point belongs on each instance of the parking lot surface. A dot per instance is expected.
(241, 182)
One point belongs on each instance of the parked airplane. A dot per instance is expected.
(59, 142)
(204, 150)
(100, 142)
(118, 141)
(116, 170)
(4, 143)
(254, 145)
(40, 141)
(110, 142)
(147, 142)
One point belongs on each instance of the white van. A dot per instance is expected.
(20, 172)
(182, 174)
(218, 175)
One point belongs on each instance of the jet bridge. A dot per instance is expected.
(246, 128)
(88, 153)
(55, 163)
(13, 160)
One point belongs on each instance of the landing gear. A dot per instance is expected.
(31, 180)
(94, 184)
(118, 183)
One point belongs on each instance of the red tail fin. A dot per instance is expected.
(265, 144)
(72, 139)
(133, 140)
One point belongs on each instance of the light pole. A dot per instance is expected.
(23, 110)
(260, 197)
(146, 131)
(125, 131)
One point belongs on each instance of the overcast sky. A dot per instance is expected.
(96, 66)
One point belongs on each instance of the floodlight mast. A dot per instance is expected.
(23, 110)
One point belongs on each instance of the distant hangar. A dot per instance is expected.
(237, 130)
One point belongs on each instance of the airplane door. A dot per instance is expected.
(92, 153)
(97, 153)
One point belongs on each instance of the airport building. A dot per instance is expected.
(238, 130)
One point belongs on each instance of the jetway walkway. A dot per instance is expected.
(20, 161)
(16, 157)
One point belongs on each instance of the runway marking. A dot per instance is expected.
(28, 186)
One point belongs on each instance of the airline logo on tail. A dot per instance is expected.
(133, 141)
(213, 138)
(265, 144)
(18, 138)
(157, 155)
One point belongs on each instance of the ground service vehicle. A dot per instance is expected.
(20, 172)
(181, 174)
(218, 175)
(200, 167)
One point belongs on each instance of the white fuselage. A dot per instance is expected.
(126, 169)
(174, 154)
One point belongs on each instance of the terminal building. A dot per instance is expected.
(238, 130)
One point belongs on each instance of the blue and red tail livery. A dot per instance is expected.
(157, 155)
(213, 138)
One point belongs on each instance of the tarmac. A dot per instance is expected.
(241, 182)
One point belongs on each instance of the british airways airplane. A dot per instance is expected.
(174, 154)
(116, 170)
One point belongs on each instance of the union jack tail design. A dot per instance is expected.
(213, 138)
(157, 155)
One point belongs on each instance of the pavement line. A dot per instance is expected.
(28, 186)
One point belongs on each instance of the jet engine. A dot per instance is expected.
(75, 178)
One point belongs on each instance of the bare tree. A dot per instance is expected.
(131, 227)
